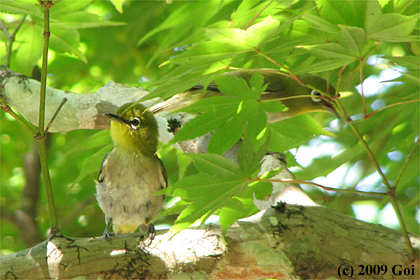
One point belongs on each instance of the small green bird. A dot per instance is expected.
(131, 172)
(300, 99)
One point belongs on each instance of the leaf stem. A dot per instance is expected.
(11, 39)
(390, 189)
(55, 114)
(287, 180)
(6, 108)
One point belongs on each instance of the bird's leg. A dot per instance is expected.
(108, 234)
(151, 231)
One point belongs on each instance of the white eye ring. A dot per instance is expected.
(135, 123)
(314, 97)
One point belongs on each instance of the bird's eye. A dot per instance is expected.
(135, 123)
(314, 96)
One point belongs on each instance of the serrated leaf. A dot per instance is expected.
(29, 50)
(353, 39)
(249, 160)
(293, 132)
(320, 23)
(216, 165)
(329, 64)
(183, 78)
(263, 31)
(273, 106)
(19, 7)
(392, 28)
(231, 212)
(82, 19)
(230, 85)
(66, 41)
(96, 140)
(225, 137)
(410, 62)
(330, 51)
(217, 112)
(118, 5)
(63, 7)
(204, 53)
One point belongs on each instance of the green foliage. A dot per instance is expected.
(170, 47)
(221, 184)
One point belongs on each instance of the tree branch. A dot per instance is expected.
(297, 242)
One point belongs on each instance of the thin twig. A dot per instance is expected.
(55, 114)
(287, 180)
(362, 91)
(390, 189)
(6, 108)
(389, 106)
(273, 61)
(259, 12)
(11, 39)
(55, 230)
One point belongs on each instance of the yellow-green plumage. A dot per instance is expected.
(300, 97)
(131, 173)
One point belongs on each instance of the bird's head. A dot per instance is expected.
(309, 94)
(134, 128)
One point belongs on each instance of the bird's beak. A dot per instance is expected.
(114, 117)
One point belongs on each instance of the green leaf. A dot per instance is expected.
(329, 64)
(219, 180)
(225, 137)
(97, 140)
(293, 132)
(320, 23)
(183, 78)
(251, 38)
(118, 4)
(330, 51)
(261, 32)
(29, 48)
(216, 111)
(353, 39)
(66, 41)
(205, 53)
(392, 28)
(249, 158)
(93, 163)
(21, 7)
(216, 165)
(230, 85)
(82, 19)
(410, 62)
(340, 12)
(64, 7)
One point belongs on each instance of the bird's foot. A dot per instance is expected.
(108, 235)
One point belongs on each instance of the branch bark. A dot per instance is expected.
(291, 243)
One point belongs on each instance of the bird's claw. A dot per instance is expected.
(108, 235)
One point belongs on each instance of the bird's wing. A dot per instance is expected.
(164, 183)
(103, 170)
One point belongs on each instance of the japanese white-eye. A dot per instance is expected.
(305, 94)
(131, 172)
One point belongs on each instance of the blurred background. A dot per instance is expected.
(150, 33)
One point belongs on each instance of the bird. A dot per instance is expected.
(131, 173)
(301, 94)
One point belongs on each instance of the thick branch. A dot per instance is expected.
(82, 111)
(298, 242)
